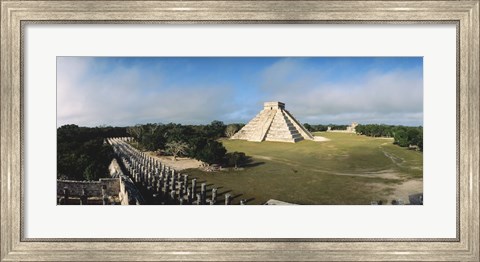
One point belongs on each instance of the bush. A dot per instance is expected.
(236, 159)
(212, 153)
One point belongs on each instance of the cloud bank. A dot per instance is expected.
(127, 96)
(92, 92)
(394, 97)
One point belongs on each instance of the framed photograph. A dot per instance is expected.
(239, 130)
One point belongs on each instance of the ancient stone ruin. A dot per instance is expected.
(273, 123)
(160, 184)
(118, 189)
(349, 129)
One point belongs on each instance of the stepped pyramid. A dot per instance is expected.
(273, 123)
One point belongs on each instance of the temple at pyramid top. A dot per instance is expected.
(272, 105)
(273, 123)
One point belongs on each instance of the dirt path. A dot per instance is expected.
(181, 163)
(387, 174)
(407, 188)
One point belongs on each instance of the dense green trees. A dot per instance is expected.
(403, 136)
(176, 148)
(323, 128)
(82, 153)
(213, 152)
(236, 159)
(197, 141)
(377, 130)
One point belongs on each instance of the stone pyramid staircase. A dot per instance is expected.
(273, 123)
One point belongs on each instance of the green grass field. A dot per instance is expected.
(348, 169)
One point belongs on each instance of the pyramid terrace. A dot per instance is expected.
(274, 123)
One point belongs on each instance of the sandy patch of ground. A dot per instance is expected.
(262, 157)
(181, 163)
(407, 188)
(387, 174)
(320, 139)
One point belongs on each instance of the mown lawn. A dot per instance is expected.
(348, 169)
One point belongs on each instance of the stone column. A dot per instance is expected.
(104, 195)
(140, 175)
(199, 199)
(172, 196)
(105, 200)
(166, 177)
(180, 189)
(203, 191)
(174, 183)
(161, 174)
(83, 197)
(214, 195)
(227, 199)
(144, 176)
(66, 196)
(150, 178)
(104, 190)
(194, 186)
(185, 182)
(159, 185)
(166, 188)
(189, 196)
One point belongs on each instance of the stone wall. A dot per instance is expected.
(118, 189)
(92, 188)
(128, 194)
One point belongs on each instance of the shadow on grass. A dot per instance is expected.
(247, 162)
(235, 196)
(223, 193)
(254, 164)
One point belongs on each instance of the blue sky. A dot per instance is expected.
(93, 91)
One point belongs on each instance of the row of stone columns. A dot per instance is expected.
(164, 183)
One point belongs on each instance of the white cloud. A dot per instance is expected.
(378, 97)
(130, 95)
(91, 93)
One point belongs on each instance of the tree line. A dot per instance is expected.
(82, 153)
(404, 136)
(195, 141)
(323, 128)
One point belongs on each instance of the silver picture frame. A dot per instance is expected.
(16, 14)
